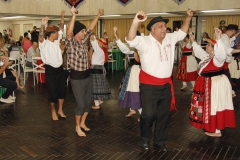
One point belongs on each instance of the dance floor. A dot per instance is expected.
(28, 132)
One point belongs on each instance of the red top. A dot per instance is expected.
(211, 67)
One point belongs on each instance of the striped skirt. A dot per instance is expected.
(101, 90)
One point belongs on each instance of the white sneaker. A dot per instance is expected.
(11, 97)
(8, 100)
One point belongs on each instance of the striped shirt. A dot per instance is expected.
(78, 56)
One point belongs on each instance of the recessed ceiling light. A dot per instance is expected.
(227, 10)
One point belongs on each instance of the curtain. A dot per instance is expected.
(213, 21)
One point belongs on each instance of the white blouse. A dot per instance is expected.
(219, 56)
(123, 48)
(98, 56)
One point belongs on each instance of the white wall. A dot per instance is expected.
(4, 25)
(21, 23)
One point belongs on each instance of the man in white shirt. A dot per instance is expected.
(52, 57)
(156, 53)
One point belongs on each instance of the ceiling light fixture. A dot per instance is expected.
(155, 13)
(14, 17)
(113, 15)
(227, 10)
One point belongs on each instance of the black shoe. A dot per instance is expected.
(145, 145)
(161, 147)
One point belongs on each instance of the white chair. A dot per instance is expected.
(110, 59)
(37, 68)
(15, 57)
(25, 68)
(125, 62)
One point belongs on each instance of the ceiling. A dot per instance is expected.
(14, 17)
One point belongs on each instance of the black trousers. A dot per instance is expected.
(156, 101)
(55, 81)
(9, 82)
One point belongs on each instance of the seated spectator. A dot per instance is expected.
(1, 37)
(13, 46)
(3, 50)
(33, 50)
(6, 82)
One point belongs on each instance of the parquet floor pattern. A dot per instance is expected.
(28, 132)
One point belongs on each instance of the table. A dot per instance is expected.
(118, 56)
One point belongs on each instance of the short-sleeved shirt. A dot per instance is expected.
(50, 52)
(32, 52)
(78, 56)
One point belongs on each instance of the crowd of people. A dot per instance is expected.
(211, 65)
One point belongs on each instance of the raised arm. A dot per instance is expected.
(71, 23)
(115, 33)
(42, 28)
(95, 20)
(139, 17)
(198, 51)
(123, 48)
(61, 26)
(187, 21)
(219, 51)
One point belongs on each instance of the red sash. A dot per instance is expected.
(148, 79)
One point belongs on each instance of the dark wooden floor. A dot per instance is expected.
(28, 132)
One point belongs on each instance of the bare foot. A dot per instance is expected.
(213, 134)
(54, 116)
(80, 132)
(100, 102)
(95, 107)
(132, 112)
(138, 119)
(83, 126)
(61, 114)
(183, 87)
(20, 87)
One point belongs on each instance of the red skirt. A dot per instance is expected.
(182, 73)
(200, 111)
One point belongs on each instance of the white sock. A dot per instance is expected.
(217, 131)
(140, 111)
(96, 102)
(184, 83)
(193, 83)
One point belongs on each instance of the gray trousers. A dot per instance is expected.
(82, 91)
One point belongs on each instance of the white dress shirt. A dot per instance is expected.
(50, 52)
(157, 59)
